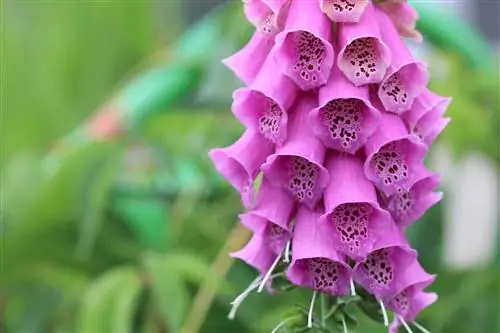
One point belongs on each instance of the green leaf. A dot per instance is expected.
(100, 178)
(371, 309)
(170, 296)
(109, 303)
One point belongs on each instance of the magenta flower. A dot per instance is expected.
(297, 166)
(257, 254)
(345, 118)
(247, 62)
(412, 299)
(263, 106)
(315, 262)
(269, 220)
(344, 10)
(340, 144)
(303, 50)
(382, 273)
(353, 216)
(409, 206)
(425, 118)
(240, 162)
(393, 155)
(268, 16)
(403, 16)
(406, 77)
(363, 56)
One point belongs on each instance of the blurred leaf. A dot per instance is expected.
(109, 303)
(170, 295)
(100, 178)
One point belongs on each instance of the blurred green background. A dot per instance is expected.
(128, 230)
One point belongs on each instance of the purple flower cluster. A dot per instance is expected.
(339, 121)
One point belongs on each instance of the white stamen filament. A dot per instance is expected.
(421, 328)
(248, 290)
(353, 288)
(268, 274)
(241, 297)
(405, 324)
(280, 325)
(311, 310)
(287, 252)
(344, 325)
(384, 313)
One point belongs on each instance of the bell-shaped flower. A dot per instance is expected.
(270, 217)
(257, 254)
(297, 166)
(411, 300)
(240, 162)
(345, 117)
(268, 16)
(425, 118)
(315, 262)
(344, 10)
(363, 56)
(403, 16)
(247, 62)
(352, 216)
(264, 105)
(406, 77)
(382, 273)
(393, 155)
(303, 50)
(409, 206)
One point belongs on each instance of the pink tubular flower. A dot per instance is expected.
(240, 162)
(263, 107)
(411, 300)
(257, 254)
(403, 16)
(247, 62)
(268, 16)
(363, 56)
(344, 10)
(382, 273)
(393, 156)
(425, 118)
(409, 206)
(271, 217)
(297, 165)
(345, 118)
(352, 213)
(303, 50)
(315, 263)
(406, 77)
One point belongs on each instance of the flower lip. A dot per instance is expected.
(247, 62)
(345, 118)
(399, 89)
(297, 166)
(264, 105)
(352, 215)
(363, 57)
(406, 78)
(425, 103)
(409, 206)
(344, 11)
(383, 271)
(315, 263)
(239, 163)
(393, 155)
(303, 50)
(256, 254)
